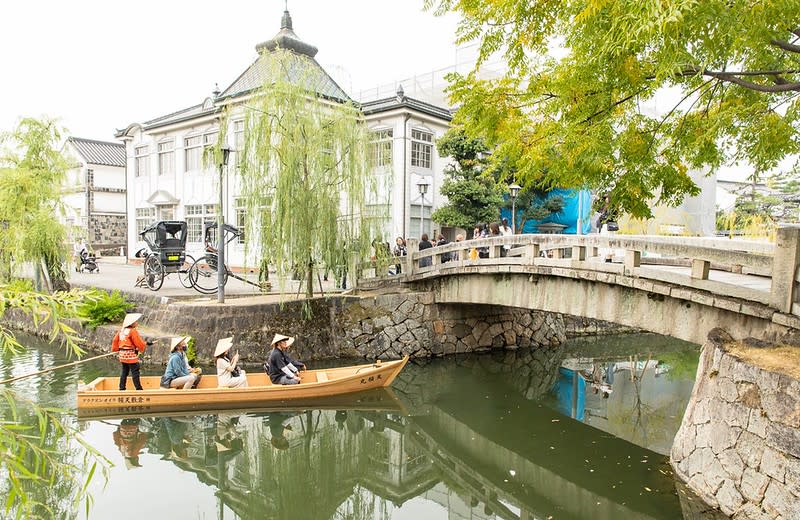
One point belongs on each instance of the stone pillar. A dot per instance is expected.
(412, 248)
(784, 268)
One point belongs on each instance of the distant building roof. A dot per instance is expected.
(402, 101)
(99, 152)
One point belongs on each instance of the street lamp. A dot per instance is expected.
(226, 152)
(422, 186)
(514, 191)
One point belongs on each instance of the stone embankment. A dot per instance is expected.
(385, 326)
(738, 446)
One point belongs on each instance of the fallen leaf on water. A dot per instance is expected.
(555, 420)
(647, 489)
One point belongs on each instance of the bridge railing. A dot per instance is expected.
(716, 265)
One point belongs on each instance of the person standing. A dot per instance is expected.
(129, 344)
(282, 369)
(178, 374)
(399, 251)
(229, 375)
(424, 243)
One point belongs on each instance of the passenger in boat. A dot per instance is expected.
(283, 370)
(228, 374)
(178, 374)
(129, 344)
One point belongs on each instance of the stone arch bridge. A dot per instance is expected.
(677, 286)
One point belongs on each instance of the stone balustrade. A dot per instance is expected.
(706, 264)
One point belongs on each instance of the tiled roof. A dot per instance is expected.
(384, 105)
(99, 152)
(300, 69)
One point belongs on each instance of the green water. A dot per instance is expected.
(576, 432)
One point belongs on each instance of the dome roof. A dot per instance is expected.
(287, 39)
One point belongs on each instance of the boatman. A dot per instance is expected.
(283, 370)
(129, 344)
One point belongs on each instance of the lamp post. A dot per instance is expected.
(422, 186)
(226, 152)
(513, 190)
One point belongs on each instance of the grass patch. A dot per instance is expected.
(781, 359)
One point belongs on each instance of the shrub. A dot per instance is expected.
(105, 308)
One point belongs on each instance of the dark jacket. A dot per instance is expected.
(278, 360)
(425, 244)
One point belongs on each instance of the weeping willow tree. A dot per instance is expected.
(32, 170)
(46, 464)
(305, 169)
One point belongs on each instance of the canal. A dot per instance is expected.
(574, 432)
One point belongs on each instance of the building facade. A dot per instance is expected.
(94, 194)
(169, 180)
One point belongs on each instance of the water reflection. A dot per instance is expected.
(489, 436)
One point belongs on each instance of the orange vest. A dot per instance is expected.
(129, 344)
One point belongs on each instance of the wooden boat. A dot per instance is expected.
(102, 398)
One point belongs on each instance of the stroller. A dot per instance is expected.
(86, 262)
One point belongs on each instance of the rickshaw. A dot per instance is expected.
(203, 272)
(167, 243)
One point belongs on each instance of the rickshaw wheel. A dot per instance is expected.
(184, 274)
(153, 273)
(203, 275)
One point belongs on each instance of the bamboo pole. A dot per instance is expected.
(51, 369)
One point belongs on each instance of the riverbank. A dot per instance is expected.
(738, 446)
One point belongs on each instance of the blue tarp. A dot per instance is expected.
(568, 216)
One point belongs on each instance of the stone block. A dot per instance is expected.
(479, 329)
(703, 299)
(407, 307)
(723, 436)
(779, 502)
(727, 389)
(381, 322)
(732, 463)
(496, 329)
(486, 339)
(681, 294)
(753, 485)
(759, 311)
(780, 408)
(773, 464)
(727, 304)
(750, 447)
(757, 423)
(729, 498)
(703, 435)
(787, 320)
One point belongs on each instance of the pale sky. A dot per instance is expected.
(99, 65)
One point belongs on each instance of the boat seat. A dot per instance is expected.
(322, 377)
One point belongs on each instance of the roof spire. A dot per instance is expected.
(286, 20)
(401, 95)
(287, 39)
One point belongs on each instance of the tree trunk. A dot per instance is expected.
(310, 279)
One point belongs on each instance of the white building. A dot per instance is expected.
(94, 193)
(167, 179)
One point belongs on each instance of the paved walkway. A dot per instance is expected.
(114, 274)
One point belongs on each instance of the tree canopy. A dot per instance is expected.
(577, 105)
(304, 174)
(473, 195)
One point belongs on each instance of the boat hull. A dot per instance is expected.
(101, 398)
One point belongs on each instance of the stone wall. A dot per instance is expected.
(380, 326)
(108, 232)
(738, 446)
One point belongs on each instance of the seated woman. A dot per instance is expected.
(178, 373)
(282, 369)
(228, 374)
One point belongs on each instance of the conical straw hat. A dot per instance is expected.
(130, 319)
(279, 337)
(174, 342)
(223, 346)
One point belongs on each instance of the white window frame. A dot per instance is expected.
(421, 148)
(383, 143)
(144, 217)
(241, 218)
(141, 160)
(195, 216)
(193, 152)
(166, 157)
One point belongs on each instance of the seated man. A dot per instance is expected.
(178, 374)
(283, 370)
